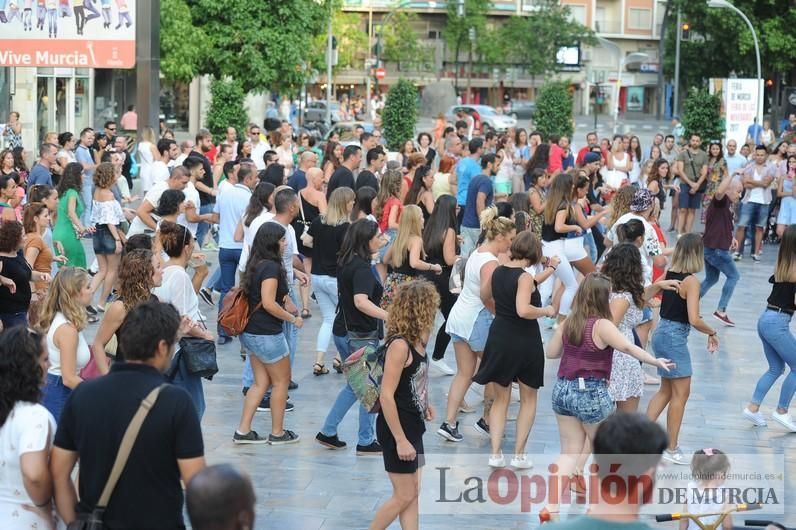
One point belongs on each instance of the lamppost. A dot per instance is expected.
(726, 5)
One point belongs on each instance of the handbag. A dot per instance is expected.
(305, 237)
(93, 520)
(364, 370)
(91, 370)
(199, 355)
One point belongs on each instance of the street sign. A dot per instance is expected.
(381, 73)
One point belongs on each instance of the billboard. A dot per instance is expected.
(67, 33)
(739, 105)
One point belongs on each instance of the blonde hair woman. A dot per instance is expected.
(326, 234)
(63, 319)
(147, 154)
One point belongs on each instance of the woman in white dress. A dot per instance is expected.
(147, 154)
(617, 166)
(26, 433)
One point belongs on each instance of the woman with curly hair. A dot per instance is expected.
(140, 272)
(68, 228)
(106, 216)
(404, 400)
(26, 432)
(63, 319)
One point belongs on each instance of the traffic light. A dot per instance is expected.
(685, 31)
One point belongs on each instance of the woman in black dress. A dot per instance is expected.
(312, 203)
(404, 400)
(514, 350)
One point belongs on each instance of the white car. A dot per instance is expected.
(486, 117)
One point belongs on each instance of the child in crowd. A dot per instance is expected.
(709, 469)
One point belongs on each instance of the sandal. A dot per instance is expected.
(337, 365)
(319, 369)
(305, 314)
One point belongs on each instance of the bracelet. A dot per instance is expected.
(554, 268)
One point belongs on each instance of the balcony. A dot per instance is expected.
(612, 27)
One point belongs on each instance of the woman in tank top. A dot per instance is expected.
(679, 312)
(313, 203)
(585, 344)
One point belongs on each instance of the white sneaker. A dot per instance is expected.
(755, 417)
(675, 457)
(785, 420)
(521, 462)
(442, 366)
(497, 461)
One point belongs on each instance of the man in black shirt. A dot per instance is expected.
(95, 417)
(207, 193)
(368, 177)
(343, 176)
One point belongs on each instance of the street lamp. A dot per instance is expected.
(726, 5)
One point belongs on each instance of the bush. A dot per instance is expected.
(554, 110)
(400, 114)
(226, 108)
(702, 115)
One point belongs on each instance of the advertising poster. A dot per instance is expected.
(635, 98)
(739, 102)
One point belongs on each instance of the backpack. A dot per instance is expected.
(364, 370)
(235, 315)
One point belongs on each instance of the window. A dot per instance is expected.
(639, 18)
(577, 13)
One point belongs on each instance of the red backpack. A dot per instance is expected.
(235, 316)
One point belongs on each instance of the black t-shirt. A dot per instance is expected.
(367, 178)
(207, 179)
(356, 277)
(93, 422)
(262, 322)
(342, 177)
(326, 243)
(16, 269)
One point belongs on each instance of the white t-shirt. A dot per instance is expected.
(159, 172)
(192, 196)
(650, 248)
(83, 354)
(230, 206)
(152, 197)
(248, 236)
(29, 428)
(258, 150)
(177, 290)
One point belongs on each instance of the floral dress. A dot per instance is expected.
(627, 378)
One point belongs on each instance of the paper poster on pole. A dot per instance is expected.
(68, 34)
(739, 105)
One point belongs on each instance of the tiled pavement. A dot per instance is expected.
(307, 487)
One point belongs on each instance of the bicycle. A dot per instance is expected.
(708, 526)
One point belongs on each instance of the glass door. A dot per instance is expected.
(45, 92)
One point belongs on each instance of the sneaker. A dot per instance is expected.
(91, 310)
(785, 420)
(265, 405)
(450, 433)
(737, 256)
(288, 437)
(249, 438)
(465, 408)
(330, 442)
(207, 296)
(442, 366)
(675, 457)
(372, 449)
(521, 462)
(756, 258)
(497, 461)
(724, 318)
(293, 385)
(755, 417)
(482, 427)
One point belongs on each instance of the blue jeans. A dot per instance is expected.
(779, 346)
(87, 195)
(10, 320)
(201, 230)
(228, 265)
(325, 289)
(191, 383)
(591, 246)
(213, 281)
(346, 399)
(54, 395)
(717, 260)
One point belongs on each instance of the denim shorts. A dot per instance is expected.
(753, 213)
(54, 395)
(480, 332)
(589, 406)
(688, 200)
(389, 235)
(268, 348)
(670, 341)
(103, 241)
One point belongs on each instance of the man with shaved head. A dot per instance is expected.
(298, 180)
(220, 498)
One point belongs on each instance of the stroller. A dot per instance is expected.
(770, 231)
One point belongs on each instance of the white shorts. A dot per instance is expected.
(574, 249)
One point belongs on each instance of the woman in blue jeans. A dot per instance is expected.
(779, 344)
(326, 234)
(360, 318)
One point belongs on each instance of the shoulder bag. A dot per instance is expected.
(305, 237)
(93, 520)
(704, 185)
(199, 356)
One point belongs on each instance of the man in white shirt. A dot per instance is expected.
(259, 147)
(168, 151)
(735, 161)
(185, 149)
(757, 180)
(144, 221)
(191, 218)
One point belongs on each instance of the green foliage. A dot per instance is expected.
(401, 44)
(179, 54)
(226, 107)
(554, 110)
(457, 28)
(400, 114)
(352, 42)
(702, 115)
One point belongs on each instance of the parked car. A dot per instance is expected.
(316, 111)
(521, 109)
(346, 131)
(486, 117)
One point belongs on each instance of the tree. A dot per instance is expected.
(400, 114)
(702, 115)
(400, 42)
(352, 42)
(457, 29)
(179, 54)
(554, 109)
(226, 107)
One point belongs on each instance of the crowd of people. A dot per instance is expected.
(504, 234)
